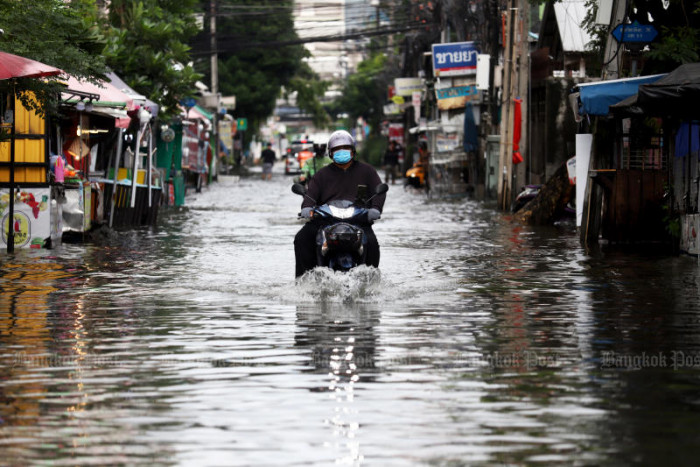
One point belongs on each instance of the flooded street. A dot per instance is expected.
(478, 341)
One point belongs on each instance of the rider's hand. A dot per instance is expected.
(306, 213)
(373, 214)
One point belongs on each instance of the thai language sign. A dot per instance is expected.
(454, 59)
(455, 97)
(635, 32)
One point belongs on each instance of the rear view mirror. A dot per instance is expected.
(299, 189)
(382, 188)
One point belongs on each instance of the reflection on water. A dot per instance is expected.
(478, 342)
(342, 344)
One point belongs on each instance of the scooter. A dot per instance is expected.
(415, 176)
(340, 243)
(530, 192)
(527, 194)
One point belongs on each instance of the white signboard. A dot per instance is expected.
(407, 86)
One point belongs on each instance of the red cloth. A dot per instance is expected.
(517, 131)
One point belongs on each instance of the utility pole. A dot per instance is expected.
(612, 47)
(214, 80)
(505, 158)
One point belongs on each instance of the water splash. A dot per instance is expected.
(361, 284)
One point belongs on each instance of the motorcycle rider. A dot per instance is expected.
(316, 163)
(338, 181)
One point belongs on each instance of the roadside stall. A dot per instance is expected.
(29, 195)
(196, 148)
(622, 169)
(109, 138)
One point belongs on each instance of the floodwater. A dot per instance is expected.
(477, 342)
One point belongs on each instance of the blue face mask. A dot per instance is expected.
(342, 156)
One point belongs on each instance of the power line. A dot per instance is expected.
(233, 44)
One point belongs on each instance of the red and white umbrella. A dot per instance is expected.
(14, 66)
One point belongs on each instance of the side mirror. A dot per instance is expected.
(299, 189)
(382, 188)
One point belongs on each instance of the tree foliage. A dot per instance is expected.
(676, 21)
(57, 34)
(253, 65)
(365, 92)
(309, 88)
(147, 45)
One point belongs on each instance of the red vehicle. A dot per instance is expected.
(301, 151)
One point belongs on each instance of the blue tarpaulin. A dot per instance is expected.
(688, 139)
(471, 137)
(596, 98)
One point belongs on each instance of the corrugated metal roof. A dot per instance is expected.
(570, 15)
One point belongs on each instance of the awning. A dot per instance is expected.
(121, 118)
(196, 112)
(139, 99)
(14, 66)
(676, 94)
(596, 98)
(110, 95)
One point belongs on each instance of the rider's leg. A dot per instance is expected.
(305, 248)
(372, 257)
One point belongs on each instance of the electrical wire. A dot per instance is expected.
(231, 43)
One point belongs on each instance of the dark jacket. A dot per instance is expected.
(333, 183)
(391, 156)
(268, 156)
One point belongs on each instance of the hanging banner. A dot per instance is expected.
(455, 97)
(454, 59)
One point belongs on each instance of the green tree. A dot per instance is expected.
(259, 55)
(365, 91)
(56, 33)
(309, 89)
(147, 45)
(676, 21)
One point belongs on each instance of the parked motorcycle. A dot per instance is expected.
(527, 194)
(340, 243)
(530, 192)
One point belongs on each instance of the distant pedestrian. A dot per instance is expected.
(391, 161)
(424, 162)
(268, 157)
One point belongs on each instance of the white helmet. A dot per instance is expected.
(340, 138)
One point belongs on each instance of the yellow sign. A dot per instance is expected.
(398, 100)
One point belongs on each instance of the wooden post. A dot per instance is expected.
(135, 166)
(117, 160)
(11, 213)
(149, 163)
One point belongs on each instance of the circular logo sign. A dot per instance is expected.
(21, 226)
